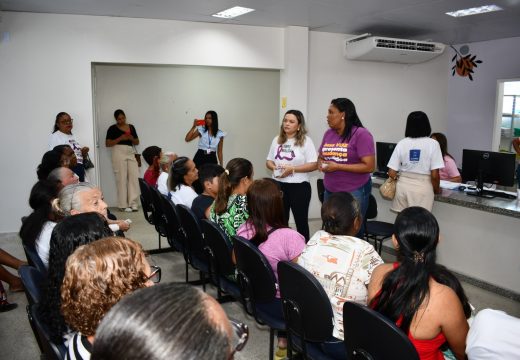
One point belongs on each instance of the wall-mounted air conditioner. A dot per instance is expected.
(377, 48)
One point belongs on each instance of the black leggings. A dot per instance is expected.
(297, 197)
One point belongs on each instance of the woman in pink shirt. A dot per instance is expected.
(450, 171)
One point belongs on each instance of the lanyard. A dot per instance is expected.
(209, 141)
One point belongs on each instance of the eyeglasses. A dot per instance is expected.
(240, 336)
(155, 276)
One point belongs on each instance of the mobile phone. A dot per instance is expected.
(200, 122)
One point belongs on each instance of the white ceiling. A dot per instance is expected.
(414, 19)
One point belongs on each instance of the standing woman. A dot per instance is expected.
(347, 155)
(291, 157)
(62, 135)
(418, 159)
(211, 140)
(122, 138)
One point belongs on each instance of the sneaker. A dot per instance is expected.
(280, 354)
(135, 208)
(128, 209)
(7, 306)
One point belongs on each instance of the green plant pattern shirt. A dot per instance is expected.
(235, 215)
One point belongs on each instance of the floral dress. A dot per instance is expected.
(235, 215)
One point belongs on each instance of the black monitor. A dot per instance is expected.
(384, 151)
(488, 167)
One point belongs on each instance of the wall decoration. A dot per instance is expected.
(464, 62)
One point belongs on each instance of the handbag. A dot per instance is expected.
(137, 157)
(387, 189)
(87, 163)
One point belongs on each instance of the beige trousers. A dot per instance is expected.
(413, 190)
(126, 172)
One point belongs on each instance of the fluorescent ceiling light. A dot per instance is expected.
(474, 11)
(233, 12)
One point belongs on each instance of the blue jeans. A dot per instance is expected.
(362, 195)
(518, 175)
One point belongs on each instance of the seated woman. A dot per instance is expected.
(450, 171)
(37, 227)
(68, 156)
(97, 276)
(229, 210)
(182, 175)
(407, 292)
(267, 228)
(342, 263)
(50, 161)
(67, 235)
(165, 163)
(181, 322)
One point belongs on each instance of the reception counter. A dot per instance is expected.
(480, 238)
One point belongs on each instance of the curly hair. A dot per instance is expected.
(67, 235)
(97, 275)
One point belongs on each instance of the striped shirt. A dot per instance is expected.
(79, 348)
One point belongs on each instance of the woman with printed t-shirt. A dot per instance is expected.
(417, 158)
(62, 135)
(291, 156)
(347, 155)
(211, 140)
(122, 138)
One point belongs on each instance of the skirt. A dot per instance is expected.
(413, 190)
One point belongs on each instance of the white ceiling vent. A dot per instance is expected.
(376, 48)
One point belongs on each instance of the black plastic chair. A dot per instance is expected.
(378, 231)
(33, 258)
(257, 284)
(158, 216)
(307, 310)
(33, 281)
(146, 201)
(371, 336)
(50, 350)
(321, 190)
(196, 249)
(221, 261)
(174, 231)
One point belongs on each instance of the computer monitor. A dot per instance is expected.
(488, 167)
(384, 151)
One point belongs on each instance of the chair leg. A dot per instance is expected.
(203, 280)
(186, 262)
(159, 241)
(271, 343)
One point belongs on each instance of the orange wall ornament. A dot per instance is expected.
(465, 63)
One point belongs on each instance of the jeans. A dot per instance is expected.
(362, 195)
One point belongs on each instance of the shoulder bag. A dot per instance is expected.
(387, 189)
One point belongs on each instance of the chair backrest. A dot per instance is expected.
(158, 213)
(195, 243)
(33, 281)
(51, 350)
(174, 231)
(370, 335)
(220, 246)
(255, 275)
(146, 200)
(372, 208)
(321, 189)
(307, 308)
(33, 258)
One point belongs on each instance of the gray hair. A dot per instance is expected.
(68, 198)
(56, 175)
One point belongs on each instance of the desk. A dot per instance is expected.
(480, 238)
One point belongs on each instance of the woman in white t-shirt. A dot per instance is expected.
(417, 158)
(62, 135)
(182, 175)
(291, 157)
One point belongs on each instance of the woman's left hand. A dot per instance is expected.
(328, 166)
(287, 170)
(84, 150)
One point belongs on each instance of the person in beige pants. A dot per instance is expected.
(122, 138)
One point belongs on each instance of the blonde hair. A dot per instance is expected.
(68, 199)
(97, 275)
(300, 134)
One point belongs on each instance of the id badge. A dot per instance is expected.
(208, 151)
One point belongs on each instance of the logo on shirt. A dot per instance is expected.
(337, 152)
(415, 155)
(284, 152)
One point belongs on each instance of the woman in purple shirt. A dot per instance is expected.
(347, 155)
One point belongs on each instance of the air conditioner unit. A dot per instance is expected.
(376, 48)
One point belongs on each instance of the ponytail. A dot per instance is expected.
(236, 170)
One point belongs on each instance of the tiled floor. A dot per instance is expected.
(17, 341)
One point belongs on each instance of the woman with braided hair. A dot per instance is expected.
(410, 292)
(341, 262)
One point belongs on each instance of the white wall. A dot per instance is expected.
(384, 93)
(45, 68)
(471, 104)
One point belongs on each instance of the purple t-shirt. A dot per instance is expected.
(334, 148)
(282, 245)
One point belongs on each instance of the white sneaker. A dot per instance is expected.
(128, 209)
(135, 208)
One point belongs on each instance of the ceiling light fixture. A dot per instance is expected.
(474, 11)
(233, 12)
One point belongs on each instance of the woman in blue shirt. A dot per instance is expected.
(211, 140)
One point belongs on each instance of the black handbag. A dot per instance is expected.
(87, 163)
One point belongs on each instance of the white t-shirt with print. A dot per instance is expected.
(59, 138)
(343, 265)
(417, 155)
(43, 242)
(162, 183)
(290, 154)
(185, 196)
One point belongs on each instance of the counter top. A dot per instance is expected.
(495, 205)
